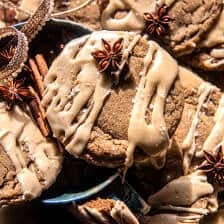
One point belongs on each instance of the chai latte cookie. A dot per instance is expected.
(29, 162)
(149, 103)
(92, 113)
(105, 211)
(180, 25)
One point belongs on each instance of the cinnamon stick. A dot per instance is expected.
(38, 112)
(42, 64)
(38, 80)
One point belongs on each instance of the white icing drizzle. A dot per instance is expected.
(183, 191)
(64, 104)
(214, 40)
(2, 24)
(167, 218)
(126, 53)
(213, 203)
(210, 63)
(199, 211)
(19, 136)
(189, 146)
(217, 53)
(121, 212)
(159, 72)
(82, 133)
(216, 135)
(216, 35)
(133, 20)
(30, 184)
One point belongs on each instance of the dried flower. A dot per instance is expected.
(213, 166)
(6, 55)
(109, 59)
(14, 92)
(157, 23)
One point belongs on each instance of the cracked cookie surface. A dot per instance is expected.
(107, 142)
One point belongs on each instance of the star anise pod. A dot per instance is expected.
(213, 166)
(6, 55)
(109, 58)
(14, 93)
(157, 22)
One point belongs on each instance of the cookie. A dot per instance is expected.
(100, 133)
(89, 16)
(209, 55)
(105, 211)
(189, 20)
(29, 163)
(97, 119)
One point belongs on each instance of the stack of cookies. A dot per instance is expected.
(142, 93)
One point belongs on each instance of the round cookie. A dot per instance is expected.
(100, 135)
(190, 20)
(29, 163)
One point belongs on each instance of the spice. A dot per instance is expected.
(14, 93)
(37, 69)
(42, 64)
(6, 55)
(157, 22)
(109, 58)
(36, 76)
(213, 166)
(38, 112)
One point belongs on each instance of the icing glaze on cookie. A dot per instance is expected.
(204, 90)
(37, 160)
(216, 136)
(159, 72)
(90, 91)
(191, 19)
(76, 93)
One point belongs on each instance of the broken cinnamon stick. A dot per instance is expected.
(38, 112)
